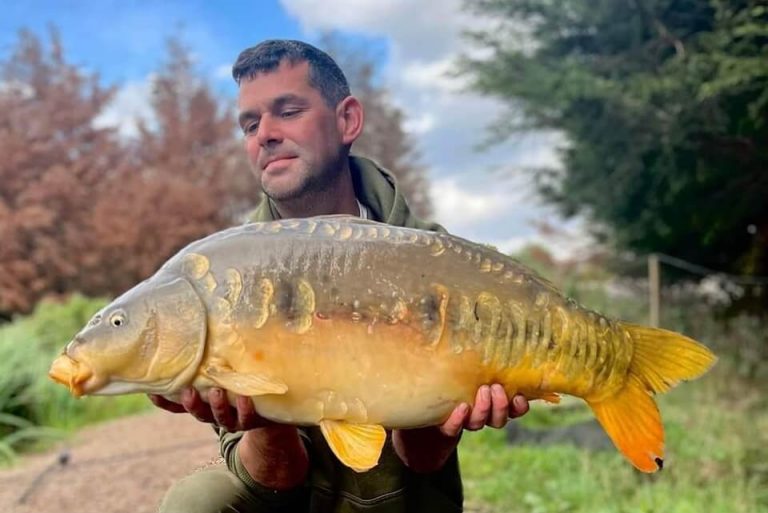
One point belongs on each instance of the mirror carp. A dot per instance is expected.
(357, 327)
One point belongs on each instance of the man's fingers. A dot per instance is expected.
(247, 418)
(481, 410)
(499, 407)
(194, 404)
(223, 413)
(165, 404)
(519, 406)
(455, 423)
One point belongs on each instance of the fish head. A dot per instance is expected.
(151, 339)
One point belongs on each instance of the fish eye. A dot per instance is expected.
(117, 319)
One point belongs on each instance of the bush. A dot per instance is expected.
(33, 408)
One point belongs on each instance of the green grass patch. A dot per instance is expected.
(716, 432)
(33, 409)
(717, 449)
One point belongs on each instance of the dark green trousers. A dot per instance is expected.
(217, 490)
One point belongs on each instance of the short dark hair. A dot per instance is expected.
(324, 74)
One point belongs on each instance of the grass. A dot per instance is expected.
(716, 435)
(34, 410)
(717, 461)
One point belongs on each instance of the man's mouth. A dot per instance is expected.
(277, 162)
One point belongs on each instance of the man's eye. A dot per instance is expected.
(250, 128)
(289, 113)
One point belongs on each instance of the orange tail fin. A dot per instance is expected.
(661, 359)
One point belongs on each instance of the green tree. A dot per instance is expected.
(664, 105)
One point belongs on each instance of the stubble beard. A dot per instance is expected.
(310, 183)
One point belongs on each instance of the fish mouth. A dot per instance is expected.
(70, 373)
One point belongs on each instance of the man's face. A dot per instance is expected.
(292, 137)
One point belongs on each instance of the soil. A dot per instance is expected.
(122, 466)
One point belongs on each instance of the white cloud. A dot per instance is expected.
(223, 72)
(448, 121)
(573, 244)
(130, 104)
(420, 125)
(425, 32)
(458, 206)
(431, 75)
(15, 87)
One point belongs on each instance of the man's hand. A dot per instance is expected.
(217, 410)
(272, 454)
(492, 408)
(427, 449)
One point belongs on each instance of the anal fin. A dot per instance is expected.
(357, 446)
(550, 397)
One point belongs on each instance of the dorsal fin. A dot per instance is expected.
(347, 218)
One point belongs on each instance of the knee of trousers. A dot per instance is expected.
(208, 491)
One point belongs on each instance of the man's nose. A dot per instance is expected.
(269, 131)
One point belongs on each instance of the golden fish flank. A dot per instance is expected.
(356, 326)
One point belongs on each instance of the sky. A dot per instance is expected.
(485, 196)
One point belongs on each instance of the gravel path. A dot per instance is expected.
(122, 466)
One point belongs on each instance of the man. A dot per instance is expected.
(299, 122)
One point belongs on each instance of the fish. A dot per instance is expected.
(359, 327)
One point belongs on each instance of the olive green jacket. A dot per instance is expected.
(331, 487)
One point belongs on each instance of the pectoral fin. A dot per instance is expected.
(358, 446)
(245, 384)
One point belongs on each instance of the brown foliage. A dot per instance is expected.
(82, 210)
(53, 159)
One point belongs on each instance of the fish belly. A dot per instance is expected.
(385, 374)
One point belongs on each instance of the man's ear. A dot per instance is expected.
(350, 118)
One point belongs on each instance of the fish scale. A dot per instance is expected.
(358, 327)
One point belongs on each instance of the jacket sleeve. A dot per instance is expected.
(265, 500)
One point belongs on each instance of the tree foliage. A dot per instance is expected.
(189, 178)
(82, 209)
(384, 138)
(665, 107)
(54, 164)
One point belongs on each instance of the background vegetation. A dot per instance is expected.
(664, 107)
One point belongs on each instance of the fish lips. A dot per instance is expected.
(70, 373)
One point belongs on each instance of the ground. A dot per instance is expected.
(122, 466)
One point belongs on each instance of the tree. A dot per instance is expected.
(664, 104)
(189, 179)
(384, 139)
(53, 160)
(83, 210)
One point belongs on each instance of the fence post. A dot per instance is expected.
(654, 288)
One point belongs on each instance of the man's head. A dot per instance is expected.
(324, 74)
(298, 118)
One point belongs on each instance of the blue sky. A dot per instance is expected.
(484, 196)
